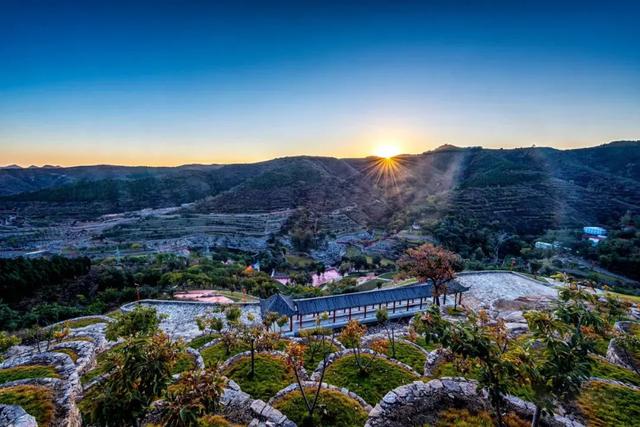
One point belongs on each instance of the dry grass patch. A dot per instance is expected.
(35, 400)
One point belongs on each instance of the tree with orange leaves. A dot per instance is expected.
(430, 263)
(295, 358)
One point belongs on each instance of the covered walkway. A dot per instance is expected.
(400, 302)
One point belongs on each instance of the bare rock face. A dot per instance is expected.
(15, 416)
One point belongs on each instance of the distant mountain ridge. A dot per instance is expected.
(525, 189)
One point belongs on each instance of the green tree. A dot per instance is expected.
(430, 325)
(194, 395)
(476, 340)
(554, 363)
(295, 358)
(382, 316)
(140, 371)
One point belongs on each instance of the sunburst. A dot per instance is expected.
(385, 171)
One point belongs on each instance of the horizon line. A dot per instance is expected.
(18, 166)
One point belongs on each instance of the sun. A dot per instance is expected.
(387, 151)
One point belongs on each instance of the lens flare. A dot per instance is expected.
(387, 151)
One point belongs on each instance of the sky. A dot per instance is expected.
(175, 82)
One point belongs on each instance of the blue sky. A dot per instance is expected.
(165, 83)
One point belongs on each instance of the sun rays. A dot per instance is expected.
(385, 171)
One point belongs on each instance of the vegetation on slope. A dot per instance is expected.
(271, 375)
(27, 371)
(35, 400)
(336, 410)
(372, 384)
(606, 405)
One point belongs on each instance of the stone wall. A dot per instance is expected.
(240, 408)
(419, 403)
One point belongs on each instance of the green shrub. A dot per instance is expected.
(35, 400)
(371, 385)
(27, 371)
(272, 374)
(334, 409)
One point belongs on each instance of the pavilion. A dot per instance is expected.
(401, 301)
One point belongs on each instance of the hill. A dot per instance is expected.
(525, 190)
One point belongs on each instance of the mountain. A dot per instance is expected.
(525, 190)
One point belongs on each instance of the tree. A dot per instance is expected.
(195, 394)
(382, 316)
(210, 324)
(140, 371)
(230, 337)
(351, 336)
(476, 340)
(295, 358)
(141, 321)
(429, 263)
(430, 325)
(554, 363)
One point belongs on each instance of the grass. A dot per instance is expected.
(35, 400)
(215, 421)
(80, 323)
(185, 362)
(69, 352)
(272, 374)
(372, 385)
(217, 353)
(634, 299)
(462, 417)
(200, 341)
(601, 345)
(27, 371)
(389, 275)
(429, 347)
(299, 261)
(100, 366)
(603, 369)
(449, 369)
(606, 405)
(334, 409)
(313, 354)
(407, 354)
(370, 285)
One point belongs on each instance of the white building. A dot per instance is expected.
(595, 231)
